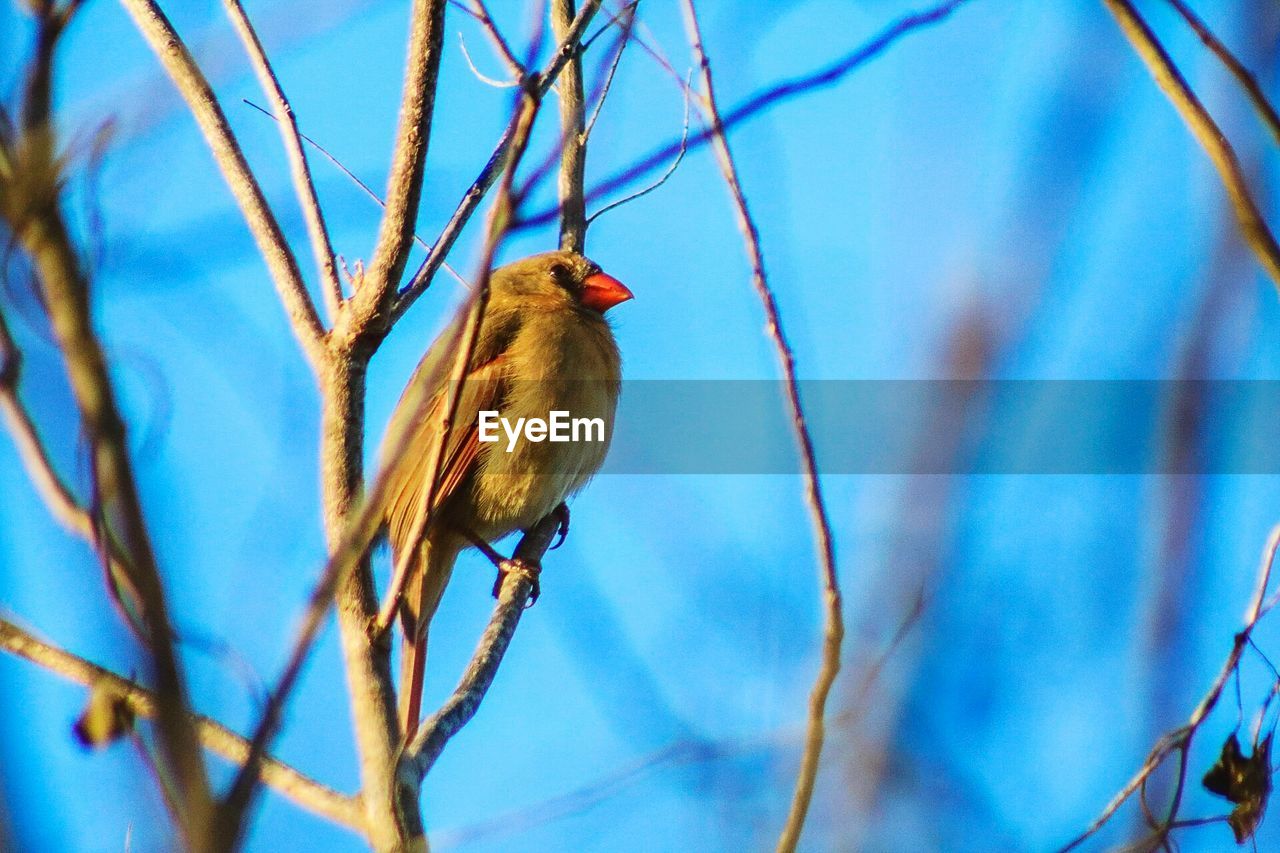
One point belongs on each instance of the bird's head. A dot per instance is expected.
(559, 277)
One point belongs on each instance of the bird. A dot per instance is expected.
(543, 345)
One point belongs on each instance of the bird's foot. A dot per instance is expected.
(562, 514)
(530, 570)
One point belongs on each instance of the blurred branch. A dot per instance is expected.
(833, 630)
(408, 163)
(30, 204)
(298, 787)
(481, 13)
(492, 169)
(573, 143)
(1205, 130)
(761, 101)
(1179, 740)
(518, 582)
(303, 186)
(1266, 112)
(35, 458)
(203, 104)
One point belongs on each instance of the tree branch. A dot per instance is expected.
(1261, 105)
(573, 143)
(492, 169)
(30, 202)
(31, 450)
(303, 186)
(1205, 130)
(517, 585)
(833, 631)
(761, 101)
(202, 102)
(302, 789)
(404, 185)
(1179, 740)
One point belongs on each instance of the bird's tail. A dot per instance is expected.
(422, 593)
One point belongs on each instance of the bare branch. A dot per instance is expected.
(481, 13)
(662, 179)
(202, 102)
(833, 631)
(302, 789)
(408, 162)
(763, 100)
(492, 169)
(479, 75)
(513, 597)
(1205, 130)
(573, 147)
(30, 203)
(54, 492)
(1266, 112)
(1179, 740)
(627, 26)
(298, 168)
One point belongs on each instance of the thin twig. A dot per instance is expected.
(1180, 738)
(291, 783)
(198, 94)
(623, 41)
(479, 75)
(492, 169)
(1252, 225)
(303, 185)
(662, 179)
(762, 101)
(364, 187)
(1266, 112)
(833, 630)
(481, 13)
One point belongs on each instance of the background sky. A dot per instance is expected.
(1003, 195)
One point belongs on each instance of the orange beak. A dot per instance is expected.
(600, 292)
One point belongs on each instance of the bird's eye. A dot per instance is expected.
(562, 274)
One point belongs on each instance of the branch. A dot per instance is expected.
(573, 148)
(1205, 130)
(35, 458)
(518, 583)
(1179, 740)
(492, 169)
(833, 631)
(202, 102)
(481, 14)
(1266, 112)
(755, 104)
(30, 202)
(404, 185)
(298, 168)
(298, 787)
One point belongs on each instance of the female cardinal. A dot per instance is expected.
(543, 345)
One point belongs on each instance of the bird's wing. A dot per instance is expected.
(409, 474)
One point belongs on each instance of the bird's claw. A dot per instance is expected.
(562, 531)
(532, 571)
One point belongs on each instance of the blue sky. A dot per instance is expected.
(1010, 176)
